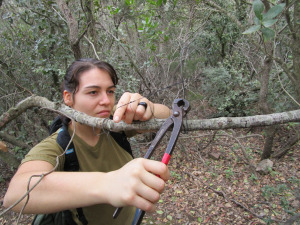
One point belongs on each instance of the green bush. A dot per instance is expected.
(230, 91)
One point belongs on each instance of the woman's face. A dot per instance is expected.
(95, 95)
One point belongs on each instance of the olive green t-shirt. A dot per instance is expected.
(105, 156)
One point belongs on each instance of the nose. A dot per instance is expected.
(105, 100)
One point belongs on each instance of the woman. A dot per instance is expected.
(108, 176)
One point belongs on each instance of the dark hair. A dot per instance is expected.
(71, 79)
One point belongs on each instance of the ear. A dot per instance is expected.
(68, 98)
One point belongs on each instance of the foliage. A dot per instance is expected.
(263, 21)
(152, 44)
(229, 91)
(283, 193)
(155, 44)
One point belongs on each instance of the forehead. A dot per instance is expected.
(95, 76)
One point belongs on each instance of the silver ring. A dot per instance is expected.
(143, 104)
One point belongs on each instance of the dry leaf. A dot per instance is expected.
(3, 147)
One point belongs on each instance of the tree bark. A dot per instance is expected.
(263, 104)
(296, 49)
(88, 9)
(151, 125)
(263, 97)
(73, 28)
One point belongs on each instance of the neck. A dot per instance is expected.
(86, 133)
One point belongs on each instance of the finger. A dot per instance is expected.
(154, 182)
(130, 110)
(157, 168)
(148, 193)
(143, 204)
(140, 111)
(148, 113)
(121, 107)
(133, 107)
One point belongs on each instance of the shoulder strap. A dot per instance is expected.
(63, 139)
(55, 125)
(71, 164)
(122, 140)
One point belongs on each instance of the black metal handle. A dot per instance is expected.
(139, 218)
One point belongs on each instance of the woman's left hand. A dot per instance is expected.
(129, 108)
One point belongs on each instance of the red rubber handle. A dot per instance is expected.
(166, 158)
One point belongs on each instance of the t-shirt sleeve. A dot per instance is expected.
(47, 150)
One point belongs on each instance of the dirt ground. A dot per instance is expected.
(212, 183)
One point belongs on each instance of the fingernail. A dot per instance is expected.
(116, 119)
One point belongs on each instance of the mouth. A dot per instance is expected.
(104, 113)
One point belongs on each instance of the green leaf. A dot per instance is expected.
(274, 11)
(268, 34)
(252, 29)
(269, 23)
(258, 8)
(257, 21)
(159, 212)
(169, 217)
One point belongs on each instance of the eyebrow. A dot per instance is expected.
(98, 87)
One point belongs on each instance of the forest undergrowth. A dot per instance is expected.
(212, 184)
(207, 190)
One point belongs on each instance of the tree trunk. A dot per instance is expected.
(296, 49)
(270, 134)
(73, 28)
(263, 103)
(88, 8)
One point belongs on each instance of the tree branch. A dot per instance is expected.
(11, 139)
(151, 125)
(145, 81)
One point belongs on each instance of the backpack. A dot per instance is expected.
(71, 164)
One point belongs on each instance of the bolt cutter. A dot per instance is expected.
(179, 109)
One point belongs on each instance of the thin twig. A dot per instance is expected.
(281, 84)
(93, 46)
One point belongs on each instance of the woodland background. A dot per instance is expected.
(231, 58)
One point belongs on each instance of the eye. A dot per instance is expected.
(112, 92)
(93, 92)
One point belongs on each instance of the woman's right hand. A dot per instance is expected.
(137, 184)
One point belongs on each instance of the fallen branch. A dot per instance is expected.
(151, 125)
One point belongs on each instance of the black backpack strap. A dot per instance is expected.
(122, 140)
(81, 216)
(55, 125)
(63, 139)
(71, 164)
